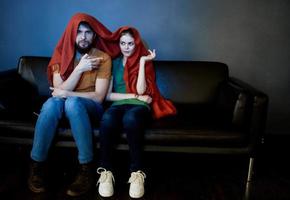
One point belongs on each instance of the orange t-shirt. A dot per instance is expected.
(88, 79)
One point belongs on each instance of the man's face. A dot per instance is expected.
(84, 39)
(127, 45)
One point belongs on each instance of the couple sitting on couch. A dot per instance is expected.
(80, 76)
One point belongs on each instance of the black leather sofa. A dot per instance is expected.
(217, 114)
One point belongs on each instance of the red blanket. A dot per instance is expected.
(65, 49)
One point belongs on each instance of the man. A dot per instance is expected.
(79, 73)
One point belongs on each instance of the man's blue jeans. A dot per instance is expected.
(80, 112)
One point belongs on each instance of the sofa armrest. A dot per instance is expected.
(247, 108)
(232, 105)
(258, 104)
(16, 94)
(6, 78)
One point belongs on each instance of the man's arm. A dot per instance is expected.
(86, 63)
(98, 95)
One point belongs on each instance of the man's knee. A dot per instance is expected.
(72, 105)
(53, 104)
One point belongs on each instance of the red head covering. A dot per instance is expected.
(65, 49)
(160, 106)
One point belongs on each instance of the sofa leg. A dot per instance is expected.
(250, 170)
(248, 191)
(249, 185)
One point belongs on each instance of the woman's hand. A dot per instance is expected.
(141, 80)
(150, 56)
(145, 98)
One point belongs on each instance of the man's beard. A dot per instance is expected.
(85, 50)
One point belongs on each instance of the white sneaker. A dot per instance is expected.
(105, 182)
(136, 181)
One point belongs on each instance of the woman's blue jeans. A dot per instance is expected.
(131, 119)
(80, 112)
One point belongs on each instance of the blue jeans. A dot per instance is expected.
(80, 112)
(131, 119)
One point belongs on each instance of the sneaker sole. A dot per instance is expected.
(106, 194)
(135, 196)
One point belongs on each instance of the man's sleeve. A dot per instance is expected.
(55, 68)
(104, 70)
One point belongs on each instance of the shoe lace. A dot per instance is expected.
(137, 176)
(105, 175)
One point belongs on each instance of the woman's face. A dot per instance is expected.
(127, 45)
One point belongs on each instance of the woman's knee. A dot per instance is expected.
(108, 120)
(134, 119)
(131, 121)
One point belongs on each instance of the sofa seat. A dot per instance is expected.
(160, 133)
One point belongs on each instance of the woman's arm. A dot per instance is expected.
(141, 81)
(113, 96)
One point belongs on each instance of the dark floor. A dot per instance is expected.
(170, 176)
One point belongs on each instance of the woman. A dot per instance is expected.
(136, 99)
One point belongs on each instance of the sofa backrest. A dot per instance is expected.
(190, 81)
(179, 81)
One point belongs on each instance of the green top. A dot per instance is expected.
(119, 85)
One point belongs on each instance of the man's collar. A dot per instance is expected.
(78, 55)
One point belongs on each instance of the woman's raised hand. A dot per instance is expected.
(150, 56)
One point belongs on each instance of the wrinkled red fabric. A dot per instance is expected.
(65, 49)
(161, 107)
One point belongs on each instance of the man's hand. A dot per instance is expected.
(145, 98)
(56, 92)
(88, 63)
